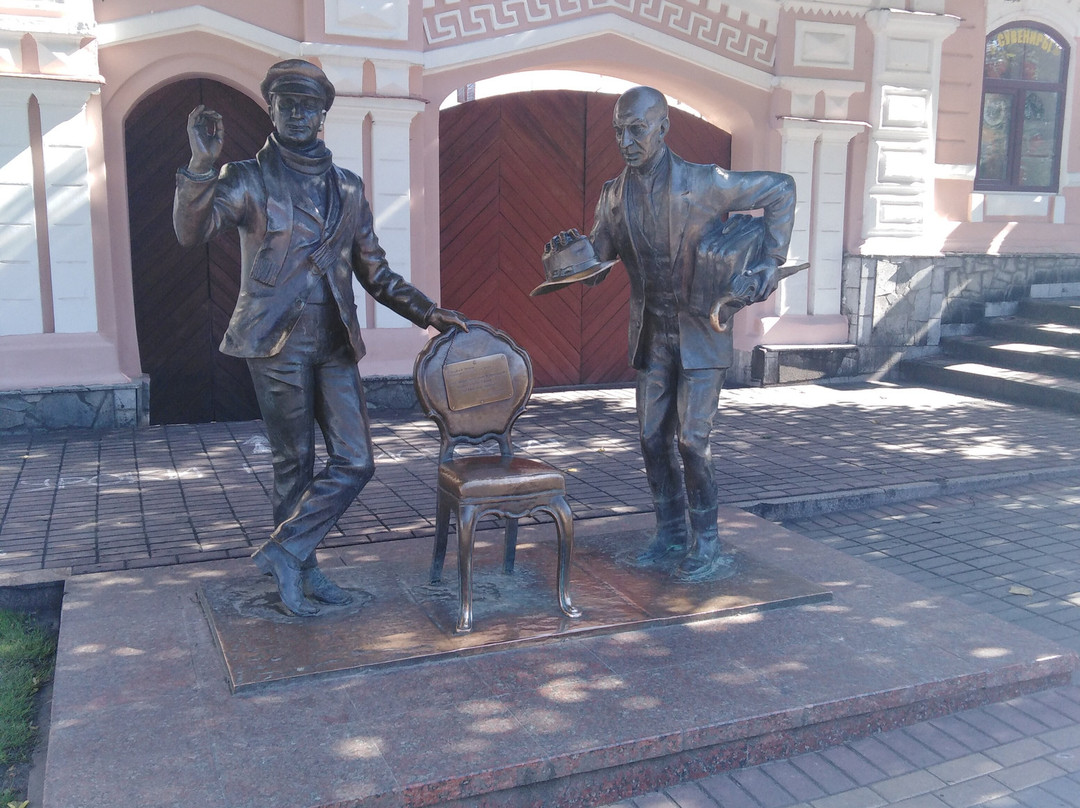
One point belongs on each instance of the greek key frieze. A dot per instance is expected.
(452, 22)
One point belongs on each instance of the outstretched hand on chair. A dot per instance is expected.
(445, 319)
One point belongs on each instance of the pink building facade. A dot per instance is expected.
(935, 145)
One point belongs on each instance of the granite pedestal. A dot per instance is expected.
(144, 711)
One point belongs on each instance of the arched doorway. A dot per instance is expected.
(514, 171)
(183, 298)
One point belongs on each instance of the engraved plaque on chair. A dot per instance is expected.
(477, 381)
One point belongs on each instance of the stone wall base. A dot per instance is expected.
(75, 407)
(390, 393)
(899, 307)
(127, 405)
(787, 364)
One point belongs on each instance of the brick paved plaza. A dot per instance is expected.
(975, 500)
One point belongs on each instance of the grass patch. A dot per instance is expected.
(26, 661)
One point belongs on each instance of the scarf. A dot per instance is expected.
(313, 159)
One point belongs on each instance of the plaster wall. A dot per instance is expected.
(872, 106)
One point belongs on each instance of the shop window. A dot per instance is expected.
(1023, 97)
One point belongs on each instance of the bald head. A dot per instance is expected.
(641, 122)
(644, 98)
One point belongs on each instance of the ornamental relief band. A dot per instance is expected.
(744, 39)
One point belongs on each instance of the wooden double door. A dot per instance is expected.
(514, 171)
(184, 297)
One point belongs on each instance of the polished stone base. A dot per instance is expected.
(396, 618)
(143, 712)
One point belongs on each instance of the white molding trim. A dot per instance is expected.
(471, 53)
(372, 19)
(1062, 15)
(852, 8)
(804, 93)
(828, 45)
(954, 171)
(412, 58)
(204, 20)
(195, 19)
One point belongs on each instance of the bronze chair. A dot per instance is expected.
(474, 384)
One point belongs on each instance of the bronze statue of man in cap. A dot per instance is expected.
(689, 264)
(305, 232)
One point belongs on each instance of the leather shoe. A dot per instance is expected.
(660, 550)
(318, 586)
(705, 562)
(272, 558)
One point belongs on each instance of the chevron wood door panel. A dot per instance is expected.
(510, 178)
(469, 185)
(514, 171)
(606, 306)
(183, 298)
(541, 189)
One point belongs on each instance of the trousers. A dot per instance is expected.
(313, 381)
(676, 408)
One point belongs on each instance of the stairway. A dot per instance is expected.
(1032, 357)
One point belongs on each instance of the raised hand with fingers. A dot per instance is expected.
(206, 135)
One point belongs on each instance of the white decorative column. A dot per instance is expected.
(903, 109)
(344, 136)
(20, 279)
(814, 151)
(815, 154)
(830, 191)
(65, 135)
(391, 189)
(797, 159)
(382, 156)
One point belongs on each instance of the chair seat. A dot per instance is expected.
(487, 476)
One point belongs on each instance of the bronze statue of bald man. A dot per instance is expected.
(664, 218)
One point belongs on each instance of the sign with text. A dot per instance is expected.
(473, 382)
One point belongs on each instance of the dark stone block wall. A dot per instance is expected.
(901, 306)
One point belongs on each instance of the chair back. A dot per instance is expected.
(474, 384)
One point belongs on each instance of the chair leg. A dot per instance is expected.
(511, 545)
(564, 524)
(442, 530)
(466, 522)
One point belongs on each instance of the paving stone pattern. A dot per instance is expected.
(92, 502)
(974, 499)
(1014, 553)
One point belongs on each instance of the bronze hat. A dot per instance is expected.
(297, 77)
(569, 258)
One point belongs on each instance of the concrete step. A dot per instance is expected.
(1051, 310)
(989, 381)
(1050, 359)
(1032, 331)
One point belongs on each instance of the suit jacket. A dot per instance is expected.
(252, 196)
(699, 196)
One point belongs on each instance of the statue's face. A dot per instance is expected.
(640, 123)
(297, 119)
